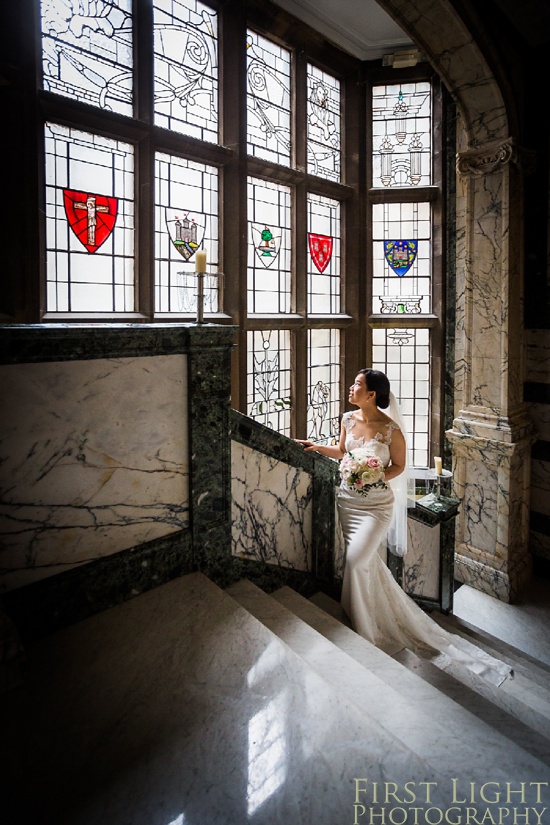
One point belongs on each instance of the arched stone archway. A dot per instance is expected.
(491, 434)
(444, 38)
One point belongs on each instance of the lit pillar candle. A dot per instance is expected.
(200, 262)
(438, 465)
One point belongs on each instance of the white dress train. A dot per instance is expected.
(378, 607)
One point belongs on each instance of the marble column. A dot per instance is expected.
(491, 434)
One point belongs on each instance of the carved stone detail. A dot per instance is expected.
(487, 158)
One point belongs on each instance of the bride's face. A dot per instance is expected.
(358, 392)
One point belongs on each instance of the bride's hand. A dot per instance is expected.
(307, 445)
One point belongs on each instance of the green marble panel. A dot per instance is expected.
(62, 599)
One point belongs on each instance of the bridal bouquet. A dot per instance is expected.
(361, 470)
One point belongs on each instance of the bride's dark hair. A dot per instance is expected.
(377, 382)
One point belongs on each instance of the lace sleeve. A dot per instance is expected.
(347, 420)
(390, 427)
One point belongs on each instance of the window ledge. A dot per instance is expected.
(79, 317)
(403, 321)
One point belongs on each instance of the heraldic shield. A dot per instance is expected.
(400, 255)
(186, 230)
(91, 217)
(267, 242)
(320, 249)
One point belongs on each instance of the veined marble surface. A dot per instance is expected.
(480, 502)
(537, 343)
(94, 460)
(271, 509)
(540, 416)
(540, 486)
(180, 707)
(422, 561)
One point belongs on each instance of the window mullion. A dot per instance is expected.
(143, 61)
(144, 183)
(145, 243)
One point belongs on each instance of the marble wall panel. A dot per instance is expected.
(538, 355)
(271, 510)
(540, 487)
(94, 461)
(421, 565)
(473, 572)
(480, 504)
(540, 416)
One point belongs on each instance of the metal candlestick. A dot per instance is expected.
(199, 294)
(200, 297)
(436, 500)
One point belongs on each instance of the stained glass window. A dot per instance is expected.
(296, 230)
(402, 276)
(186, 219)
(87, 52)
(323, 409)
(269, 219)
(269, 378)
(404, 355)
(186, 68)
(268, 99)
(323, 262)
(89, 222)
(323, 124)
(401, 135)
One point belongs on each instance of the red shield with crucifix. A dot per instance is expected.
(91, 217)
(320, 248)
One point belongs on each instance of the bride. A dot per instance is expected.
(371, 512)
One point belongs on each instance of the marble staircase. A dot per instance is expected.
(190, 705)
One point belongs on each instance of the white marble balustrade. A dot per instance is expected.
(271, 510)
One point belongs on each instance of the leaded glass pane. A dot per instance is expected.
(404, 355)
(87, 52)
(268, 99)
(402, 269)
(401, 135)
(186, 68)
(186, 219)
(269, 221)
(269, 379)
(323, 408)
(89, 222)
(323, 261)
(323, 124)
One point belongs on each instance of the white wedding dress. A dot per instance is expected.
(378, 607)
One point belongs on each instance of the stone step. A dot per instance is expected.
(518, 706)
(523, 624)
(482, 706)
(512, 696)
(331, 606)
(518, 697)
(180, 706)
(452, 741)
(527, 675)
(531, 668)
